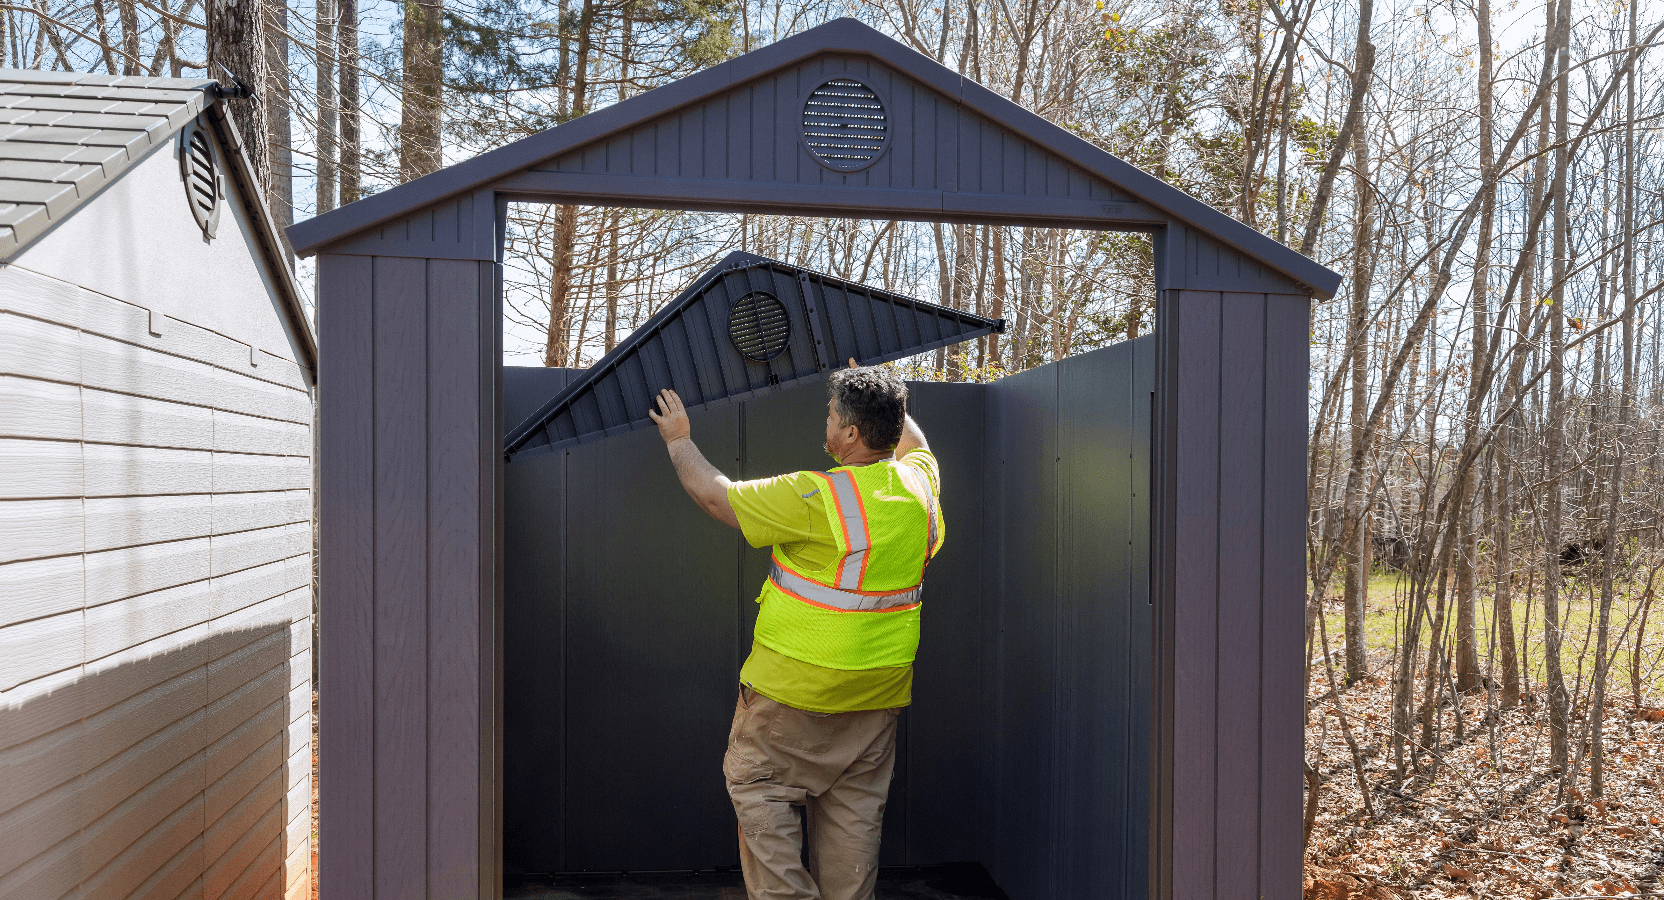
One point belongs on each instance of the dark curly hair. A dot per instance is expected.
(874, 401)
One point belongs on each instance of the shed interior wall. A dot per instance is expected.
(628, 614)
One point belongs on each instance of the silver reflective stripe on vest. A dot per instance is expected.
(915, 481)
(849, 503)
(849, 601)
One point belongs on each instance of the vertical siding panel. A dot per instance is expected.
(1241, 440)
(716, 126)
(455, 491)
(1194, 604)
(1287, 351)
(346, 864)
(401, 644)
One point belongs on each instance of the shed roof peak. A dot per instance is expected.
(1057, 178)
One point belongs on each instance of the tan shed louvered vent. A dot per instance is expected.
(204, 186)
(759, 326)
(844, 125)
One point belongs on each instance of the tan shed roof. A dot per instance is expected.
(64, 135)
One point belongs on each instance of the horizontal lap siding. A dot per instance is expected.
(155, 602)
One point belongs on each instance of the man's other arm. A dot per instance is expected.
(912, 438)
(702, 481)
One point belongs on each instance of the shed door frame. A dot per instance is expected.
(412, 765)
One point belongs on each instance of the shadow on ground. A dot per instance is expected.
(958, 881)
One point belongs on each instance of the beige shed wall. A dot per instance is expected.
(155, 560)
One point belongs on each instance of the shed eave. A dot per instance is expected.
(840, 36)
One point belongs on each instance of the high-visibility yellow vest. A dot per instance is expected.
(862, 611)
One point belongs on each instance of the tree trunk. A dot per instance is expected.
(327, 173)
(1357, 549)
(346, 42)
(236, 38)
(1558, 700)
(280, 183)
(422, 101)
(129, 36)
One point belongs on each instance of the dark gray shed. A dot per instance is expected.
(413, 478)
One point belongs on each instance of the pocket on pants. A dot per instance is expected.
(810, 732)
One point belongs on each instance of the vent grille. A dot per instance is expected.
(203, 186)
(759, 327)
(844, 125)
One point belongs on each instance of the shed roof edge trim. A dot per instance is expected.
(842, 35)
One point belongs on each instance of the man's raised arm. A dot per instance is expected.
(912, 438)
(702, 481)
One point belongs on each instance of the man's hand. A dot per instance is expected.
(702, 481)
(671, 417)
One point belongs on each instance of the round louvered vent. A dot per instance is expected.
(204, 187)
(844, 125)
(759, 326)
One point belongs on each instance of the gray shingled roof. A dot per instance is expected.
(64, 135)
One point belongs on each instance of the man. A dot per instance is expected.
(831, 663)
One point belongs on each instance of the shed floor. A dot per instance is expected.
(956, 881)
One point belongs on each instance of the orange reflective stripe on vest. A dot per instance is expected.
(811, 591)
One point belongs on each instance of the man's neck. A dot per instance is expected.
(866, 457)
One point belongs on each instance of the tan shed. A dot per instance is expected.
(156, 379)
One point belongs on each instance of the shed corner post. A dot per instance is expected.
(1231, 439)
(411, 556)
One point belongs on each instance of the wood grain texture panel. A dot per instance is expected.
(39, 349)
(55, 873)
(237, 433)
(244, 732)
(248, 862)
(52, 732)
(39, 409)
(1194, 604)
(1287, 355)
(241, 590)
(116, 522)
(118, 625)
(180, 877)
(42, 587)
(50, 300)
(112, 418)
(114, 470)
(1240, 512)
(261, 509)
(115, 831)
(246, 549)
(39, 469)
(118, 367)
(244, 472)
(253, 802)
(249, 663)
(235, 630)
(456, 351)
(130, 571)
(147, 856)
(29, 650)
(35, 528)
(401, 568)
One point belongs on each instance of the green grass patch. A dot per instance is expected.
(1389, 602)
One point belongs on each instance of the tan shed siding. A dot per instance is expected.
(155, 603)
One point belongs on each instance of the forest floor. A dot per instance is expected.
(1481, 815)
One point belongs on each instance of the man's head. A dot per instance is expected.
(865, 410)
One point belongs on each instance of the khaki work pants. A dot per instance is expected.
(835, 767)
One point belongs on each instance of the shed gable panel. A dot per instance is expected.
(754, 134)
